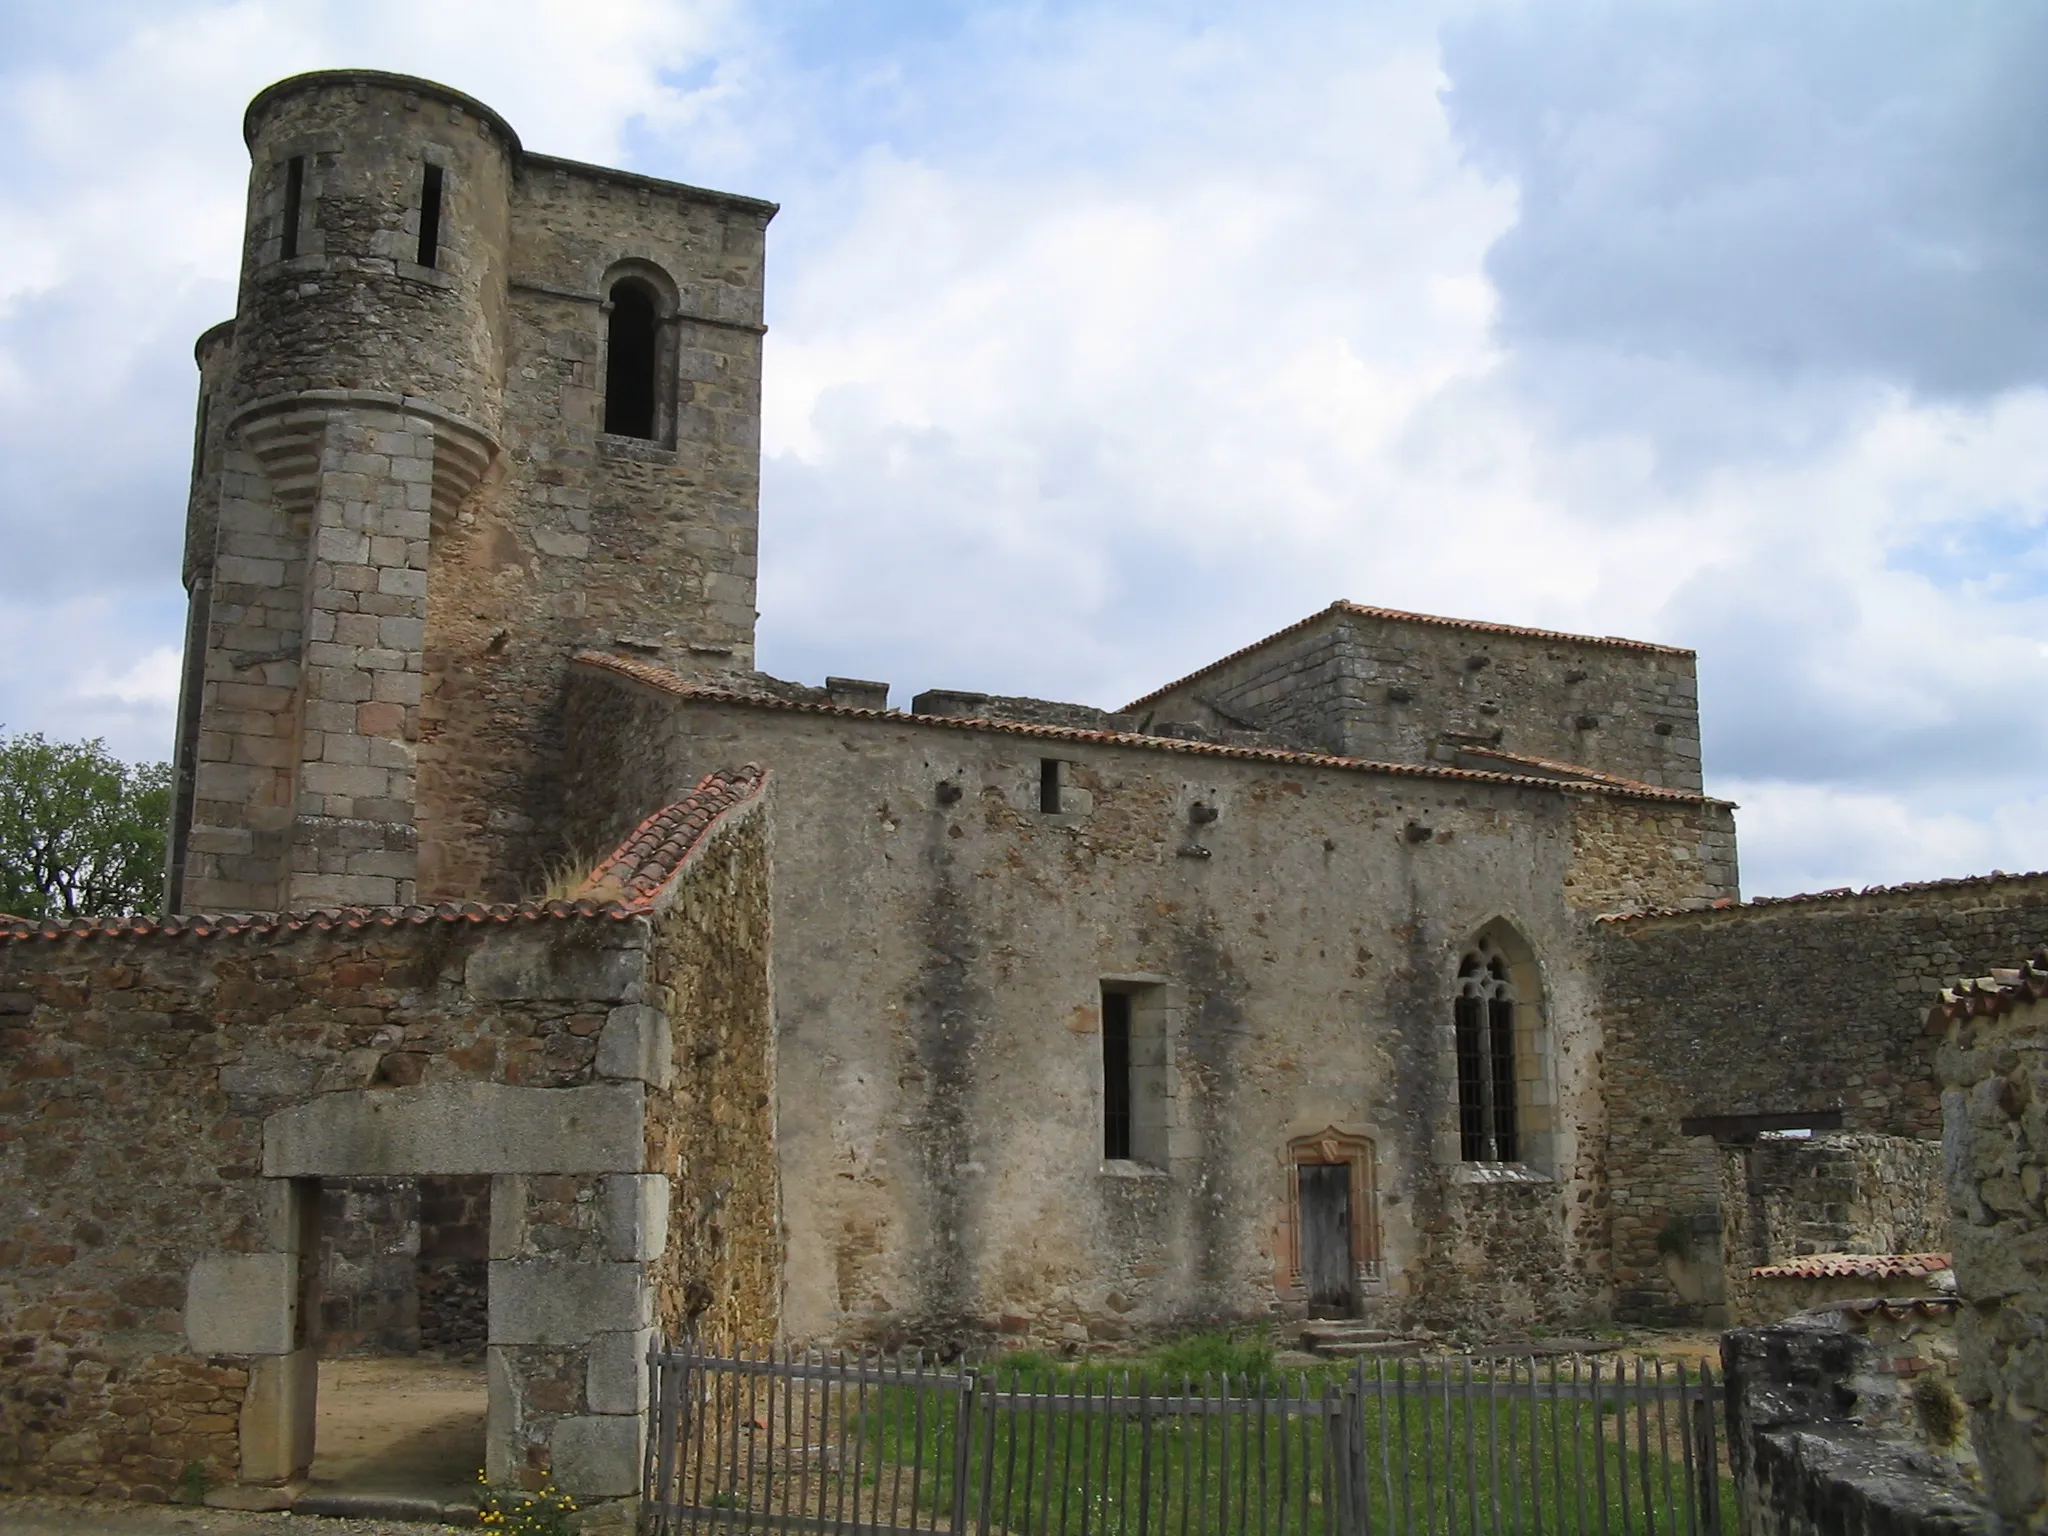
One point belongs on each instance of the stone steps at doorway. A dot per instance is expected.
(368, 1505)
(1347, 1339)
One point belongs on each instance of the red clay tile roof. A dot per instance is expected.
(1855, 1266)
(2000, 992)
(653, 853)
(1397, 615)
(684, 688)
(640, 867)
(1816, 898)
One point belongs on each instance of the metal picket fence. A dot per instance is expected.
(1402, 1447)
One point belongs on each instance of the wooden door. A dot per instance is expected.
(1324, 1192)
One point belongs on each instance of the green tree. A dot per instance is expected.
(81, 832)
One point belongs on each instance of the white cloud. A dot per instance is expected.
(1811, 837)
(1105, 340)
(151, 681)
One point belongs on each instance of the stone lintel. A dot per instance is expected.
(466, 1127)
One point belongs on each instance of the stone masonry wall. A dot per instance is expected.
(722, 1274)
(943, 943)
(1391, 688)
(1994, 1075)
(1839, 1192)
(148, 1079)
(589, 539)
(1816, 1004)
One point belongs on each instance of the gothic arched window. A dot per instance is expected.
(632, 349)
(1489, 1129)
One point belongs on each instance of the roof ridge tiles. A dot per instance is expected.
(1854, 1266)
(1833, 893)
(2006, 988)
(687, 688)
(717, 793)
(1400, 615)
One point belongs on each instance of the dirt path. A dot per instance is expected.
(400, 1425)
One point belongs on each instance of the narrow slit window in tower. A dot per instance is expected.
(1049, 777)
(1116, 1075)
(294, 201)
(629, 366)
(430, 216)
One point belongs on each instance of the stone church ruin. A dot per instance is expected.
(1392, 967)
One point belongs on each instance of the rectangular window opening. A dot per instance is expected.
(430, 216)
(1116, 1075)
(1049, 777)
(294, 201)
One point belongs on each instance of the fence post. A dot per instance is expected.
(1709, 1453)
(965, 1402)
(1344, 1423)
(652, 1487)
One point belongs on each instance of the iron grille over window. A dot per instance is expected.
(1486, 1059)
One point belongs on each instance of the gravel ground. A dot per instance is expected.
(87, 1517)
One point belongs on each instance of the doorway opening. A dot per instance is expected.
(398, 1289)
(1333, 1230)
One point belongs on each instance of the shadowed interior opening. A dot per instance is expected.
(629, 363)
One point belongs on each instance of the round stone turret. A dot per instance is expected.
(374, 254)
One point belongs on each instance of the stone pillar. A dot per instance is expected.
(1994, 1072)
(572, 1316)
(252, 1305)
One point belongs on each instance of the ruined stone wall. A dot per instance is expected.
(1390, 688)
(942, 945)
(1994, 1076)
(1817, 1004)
(368, 1267)
(1838, 1192)
(714, 1131)
(143, 1184)
(402, 1265)
(1846, 1421)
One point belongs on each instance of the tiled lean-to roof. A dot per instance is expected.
(2000, 992)
(711, 693)
(1855, 1266)
(1396, 615)
(625, 884)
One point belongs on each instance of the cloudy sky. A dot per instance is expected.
(1108, 337)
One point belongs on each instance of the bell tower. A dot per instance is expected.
(413, 500)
